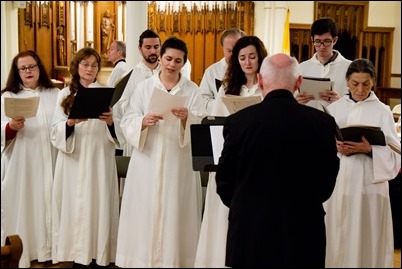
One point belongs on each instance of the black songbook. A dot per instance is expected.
(90, 103)
(218, 84)
(373, 134)
(201, 144)
(120, 87)
(354, 133)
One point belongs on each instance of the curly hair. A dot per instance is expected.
(235, 77)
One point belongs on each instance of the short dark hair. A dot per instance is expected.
(148, 34)
(362, 65)
(175, 43)
(322, 26)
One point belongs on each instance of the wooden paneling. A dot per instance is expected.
(200, 27)
(376, 45)
(46, 27)
(386, 93)
(35, 31)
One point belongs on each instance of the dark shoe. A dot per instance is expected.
(93, 264)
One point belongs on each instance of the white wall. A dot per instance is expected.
(9, 38)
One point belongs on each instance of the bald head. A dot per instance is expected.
(279, 71)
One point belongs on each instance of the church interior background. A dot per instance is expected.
(57, 29)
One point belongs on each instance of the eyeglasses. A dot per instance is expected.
(29, 68)
(87, 65)
(326, 42)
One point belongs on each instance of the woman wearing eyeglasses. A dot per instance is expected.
(85, 192)
(325, 63)
(27, 160)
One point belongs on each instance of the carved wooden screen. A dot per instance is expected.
(376, 45)
(356, 40)
(35, 28)
(200, 27)
(300, 42)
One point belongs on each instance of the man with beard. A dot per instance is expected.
(149, 46)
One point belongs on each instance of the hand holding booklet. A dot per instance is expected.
(90, 103)
(314, 86)
(162, 103)
(373, 134)
(354, 133)
(21, 107)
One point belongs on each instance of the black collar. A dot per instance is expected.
(351, 98)
(121, 60)
(334, 55)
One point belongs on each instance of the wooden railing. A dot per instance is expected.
(386, 93)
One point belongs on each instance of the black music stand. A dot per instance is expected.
(201, 144)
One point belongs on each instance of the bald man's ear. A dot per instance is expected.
(298, 82)
(260, 84)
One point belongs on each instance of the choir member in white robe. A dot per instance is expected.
(117, 55)
(359, 220)
(325, 63)
(149, 47)
(248, 54)
(161, 206)
(214, 74)
(27, 160)
(85, 194)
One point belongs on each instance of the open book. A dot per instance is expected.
(21, 107)
(235, 103)
(373, 134)
(314, 86)
(354, 133)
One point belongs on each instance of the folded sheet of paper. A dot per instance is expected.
(314, 86)
(235, 103)
(21, 107)
(162, 103)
